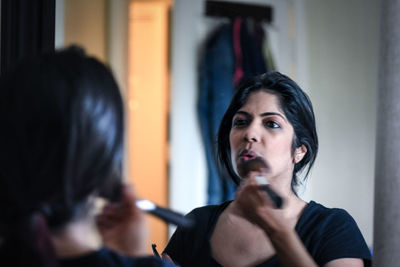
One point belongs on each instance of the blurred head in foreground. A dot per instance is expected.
(61, 144)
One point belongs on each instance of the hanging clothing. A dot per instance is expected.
(252, 40)
(216, 91)
(237, 48)
(233, 52)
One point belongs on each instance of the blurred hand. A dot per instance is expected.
(123, 227)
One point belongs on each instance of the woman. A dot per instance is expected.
(272, 119)
(61, 148)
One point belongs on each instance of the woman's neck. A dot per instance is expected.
(77, 238)
(295, 207)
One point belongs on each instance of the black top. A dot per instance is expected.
(328, 234)
(108, 258)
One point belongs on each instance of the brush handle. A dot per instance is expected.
(172, 217)
(165, 214)
(276, 199)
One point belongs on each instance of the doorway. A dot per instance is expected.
(148, 98)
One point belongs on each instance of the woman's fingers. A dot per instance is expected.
(122, 225)
(251, 189)
(128, 195)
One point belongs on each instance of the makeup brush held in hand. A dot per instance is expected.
(113, 192)
(257, 165)
(165, 214)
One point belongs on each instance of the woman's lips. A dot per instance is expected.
(247, 155)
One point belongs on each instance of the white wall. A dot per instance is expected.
(118, 41)
(330, 49)
(59, 24)
(342, 44)
(187, 167)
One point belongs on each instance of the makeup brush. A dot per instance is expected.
(258, 165)
(165, 214)
(113, 192)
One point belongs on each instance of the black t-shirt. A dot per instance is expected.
(328, 234)
(108, 258)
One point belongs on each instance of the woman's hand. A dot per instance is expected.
(122, 226)
(254, 204)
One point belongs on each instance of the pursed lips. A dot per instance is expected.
(246, 155)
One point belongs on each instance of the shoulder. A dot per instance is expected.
(208, 212)
(211, 208)
(204, 217)
(331, 233)
(109, 258)
(328, 223)
(316, 214)
(186, 244)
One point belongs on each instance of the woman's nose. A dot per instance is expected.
(251, 134)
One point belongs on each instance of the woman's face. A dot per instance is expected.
(260, 129)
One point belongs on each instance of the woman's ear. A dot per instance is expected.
(299, 153)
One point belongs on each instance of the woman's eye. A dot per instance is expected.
(271, 124)
(239, 123)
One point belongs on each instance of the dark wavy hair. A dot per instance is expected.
(61, 142)
(297, 108)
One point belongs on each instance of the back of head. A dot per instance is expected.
(62, 141)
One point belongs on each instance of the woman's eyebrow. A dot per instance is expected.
(265, 114)
(243, 113)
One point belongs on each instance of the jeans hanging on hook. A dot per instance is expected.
(216, 91)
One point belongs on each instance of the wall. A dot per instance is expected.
(342, 52)
(59, 24)
(85, 24)
(117, 41)
(187, 167)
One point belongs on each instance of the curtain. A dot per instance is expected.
(27, 28)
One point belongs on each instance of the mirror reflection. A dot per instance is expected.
(156, 50)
